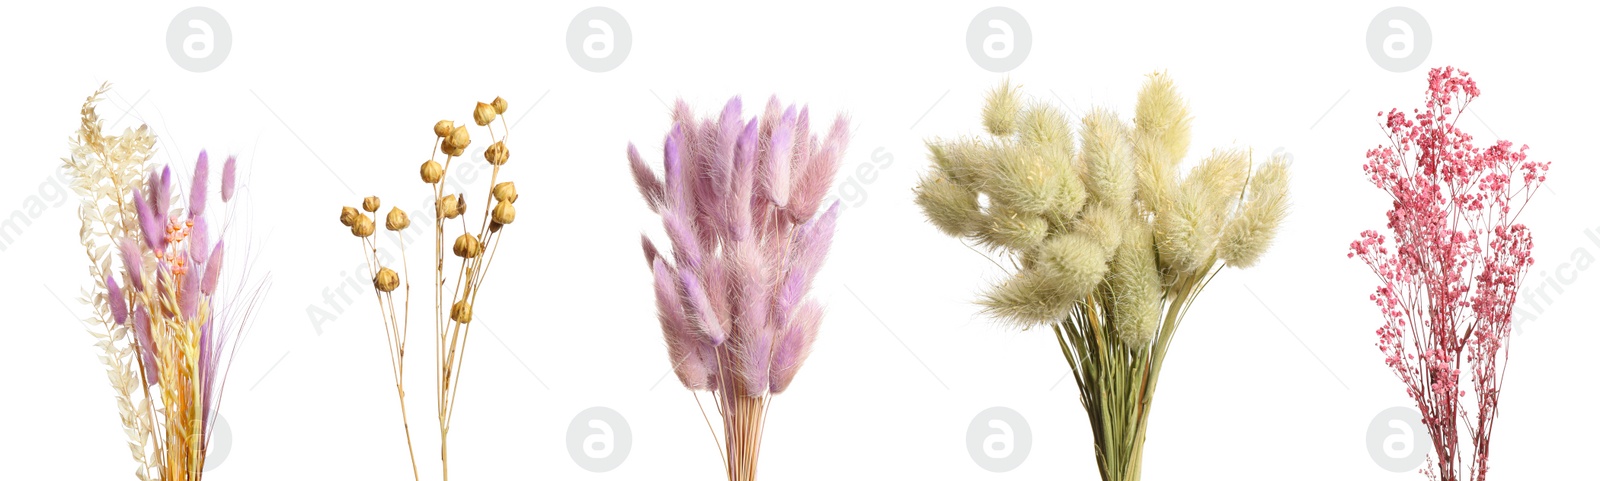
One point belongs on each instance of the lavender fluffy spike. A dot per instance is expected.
(133, 261)
(702, 316)
(199, 241)
(228, 174)
(743, 185)
(163, 193)
(152, 223)
(119, 304)
(213, 270)
(794, 345)
(147, 347)
(779, 162)
(681, 348)
(649, 184)
(189, 296)
(812, 184)
(197, 192)
(810, 248)
(650, 251)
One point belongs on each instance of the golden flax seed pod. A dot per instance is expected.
(446, 208)
(456, 144)
(505, 192)
(348, 215)
(497, 154)
(363, 226)
(432, 172)
(397, 220)
(461, 312)
(484, 114)
(386, 280)
(461, 205)
(504, 213)
(499, 105)
(370, 204)
(468, 247)
(443, 128)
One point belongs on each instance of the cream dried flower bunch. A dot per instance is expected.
(1108, 245)
(168, 324)
(473, 252)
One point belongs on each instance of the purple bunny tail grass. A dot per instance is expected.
(794, 345)
(743, 183)
(675, 325)
(650, 251)
(199, 240)
(769, 121)
(150, 187)
(208, 284)
(721, 156)
(132, 261)
(812, 184)
(228, 173)
(779, 162)
(677, 186)
(802, 148)
(751, 351)
(119, 303)
(685, 245)
(152, 224)
(649, 185)
(147, 344)
(189, 296)
(810, 248)
(702, 316)
(163, 193)
(197, 192)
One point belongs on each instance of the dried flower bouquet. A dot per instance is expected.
(1450, 275)
(169, 323)
(474, 250)
(1107, 245)
(740, 202)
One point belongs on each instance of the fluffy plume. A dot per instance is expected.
(1250, 231)
(739, 203)
(228, 175)
(1000, 110)
(1163, 115)
(119, 304)
(951, 207)
(1135, 289)
(197, 191)
(649, 185)
(1107, 158)
(1106, 247)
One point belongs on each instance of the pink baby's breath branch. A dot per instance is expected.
(1449, 284)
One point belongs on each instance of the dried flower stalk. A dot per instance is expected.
(1450, 276)
(740, 200)
(170, 328)
(474, 249)
(1107, 245)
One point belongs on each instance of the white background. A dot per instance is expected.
(1273, 376)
